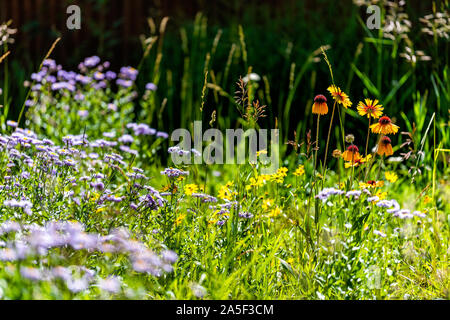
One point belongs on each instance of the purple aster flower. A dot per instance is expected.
(133, 206)
(11, 123)
(143, 129)
(327, 192)
(99, 76)
(29, 103)
(91, 62)
(384, 204)
(124, 83)
(8, 254)
(173, 149)
(31, 273)
(36, 87)
(50, 79)
(114, 198)
(354, 193)
(126, 138)
(169, 256)
(60, 272)
(112, 107)
(49, 63)
(395, 205)
(174, 173)
(83, 113)
(111, 284)
(128, 150)
(100, 85)
(63, 85)
(25, 175)
(83, 79)
(379, 233)
(419, 214)
(151, 86)
(373, 199)
(403, 214)
(79, 97)
(128, 73)
(110, 75)
(245, 215)
(77, 285)
(196, 153)
(161, 134)
(111, 134)
(99, 186)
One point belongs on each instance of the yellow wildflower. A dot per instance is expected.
(275, 212)
(225, 193)
(381, 195)
(267, 203)
(255, 182)
(189, 189)
(391, 176)
(339, 96)
(260, 152)
(179, 219)
(299, 171)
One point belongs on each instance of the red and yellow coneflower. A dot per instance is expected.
(351, 154)
(372, 184)
(358, 162)
(370, 108)
(384, 126)
(320, 108)
(320, 105)
(339, 96)
(385, 147)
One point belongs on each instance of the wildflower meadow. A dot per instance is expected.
(205, 170)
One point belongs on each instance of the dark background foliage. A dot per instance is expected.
(279, 36)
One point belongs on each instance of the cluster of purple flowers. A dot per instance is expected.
(142, 129)
(174, 173)
(177, 150)
(353, 194)
(325, 193)
(152, 200)
(205, 198)
(42, 158)
(393, 207)
(31, 241)
(26, 205)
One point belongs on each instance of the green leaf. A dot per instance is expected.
(367, 83)
(400, 83)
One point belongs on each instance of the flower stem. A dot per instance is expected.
(328, 140)
(317, 143)
(367, 139)
(379, 167)
(351, 175)
(369, 165)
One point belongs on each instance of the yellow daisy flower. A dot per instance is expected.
(371, 108)
(299, 171)
(391, 176)
(189, 189)
(339, 96)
